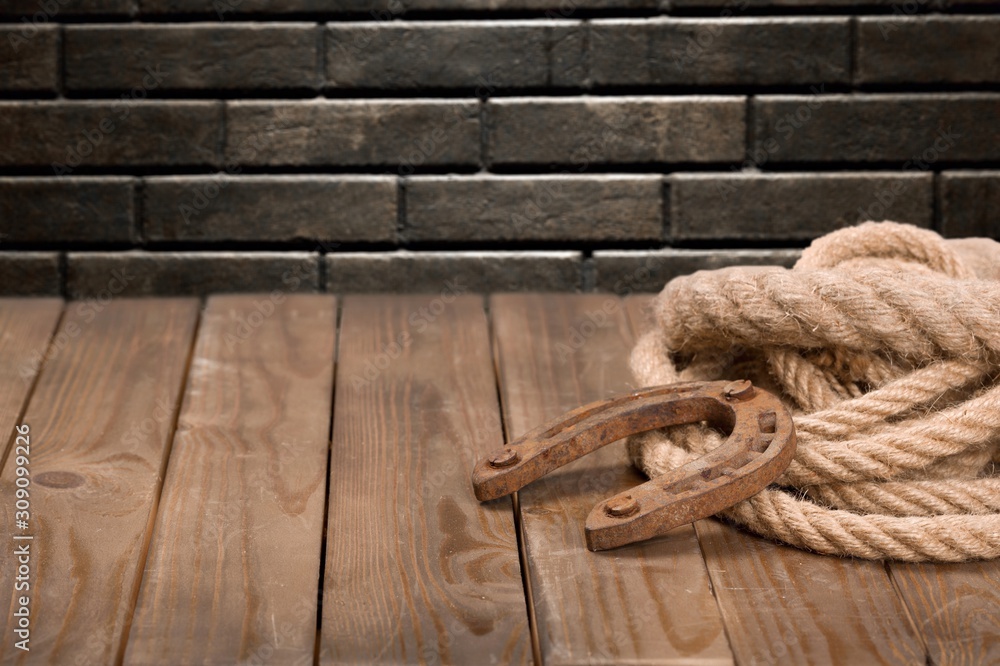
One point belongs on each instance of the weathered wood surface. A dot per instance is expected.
(782, 605)
(26, 327)
(648, 603)
(101, 417)
(233, 569)
(956, 608)
(417, 571)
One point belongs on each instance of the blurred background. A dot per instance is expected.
(196, 146)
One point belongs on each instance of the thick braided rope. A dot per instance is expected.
(884, 340)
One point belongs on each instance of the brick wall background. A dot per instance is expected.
(188, 146)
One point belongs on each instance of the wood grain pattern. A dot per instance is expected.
(26, 326)
(956, 608)
(233, 569)
(417, 571)
(648, 603)
(782, 605)
(101, 416)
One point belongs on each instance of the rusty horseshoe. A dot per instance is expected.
(759, 447)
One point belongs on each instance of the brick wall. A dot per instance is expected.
(187, 146)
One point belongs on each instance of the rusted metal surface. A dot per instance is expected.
(759, 447)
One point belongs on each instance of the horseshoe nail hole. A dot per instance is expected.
(59, 479)
(767, 422)
(760, 443)
(681, 486)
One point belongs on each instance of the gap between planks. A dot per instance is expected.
(833, 610)
(416, 569)
(232, 572)
(557, 352)
(94, 486)
(953, 604)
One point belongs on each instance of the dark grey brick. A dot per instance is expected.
(878, 128)
(416, 272)
(928, 49)
(381, 10)
(40, 12)
(744, 51)
(540, 208)
(626, 271)
(378, 10)
(188, 273)
(793, 206)
(730, 8)
(98, 209)
(29, 57)
(223, 10)
(29, 274)
(191, 56)
(552, 8)
(567, 56)
(109, 133)
(484, 55)
(970, 201)
(408, 133)
(270, 208)
(616, 130)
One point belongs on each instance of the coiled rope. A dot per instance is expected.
(884, 341)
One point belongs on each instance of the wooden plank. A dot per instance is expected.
(417, 571)
(955, 609)
(233, 570)
(648, 603)
(101, 417)
(783, 605)
(26, 327)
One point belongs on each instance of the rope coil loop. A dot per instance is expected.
(884, 340)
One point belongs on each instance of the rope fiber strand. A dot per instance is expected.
(884, 342)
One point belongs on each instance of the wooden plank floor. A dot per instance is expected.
(263, 480)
